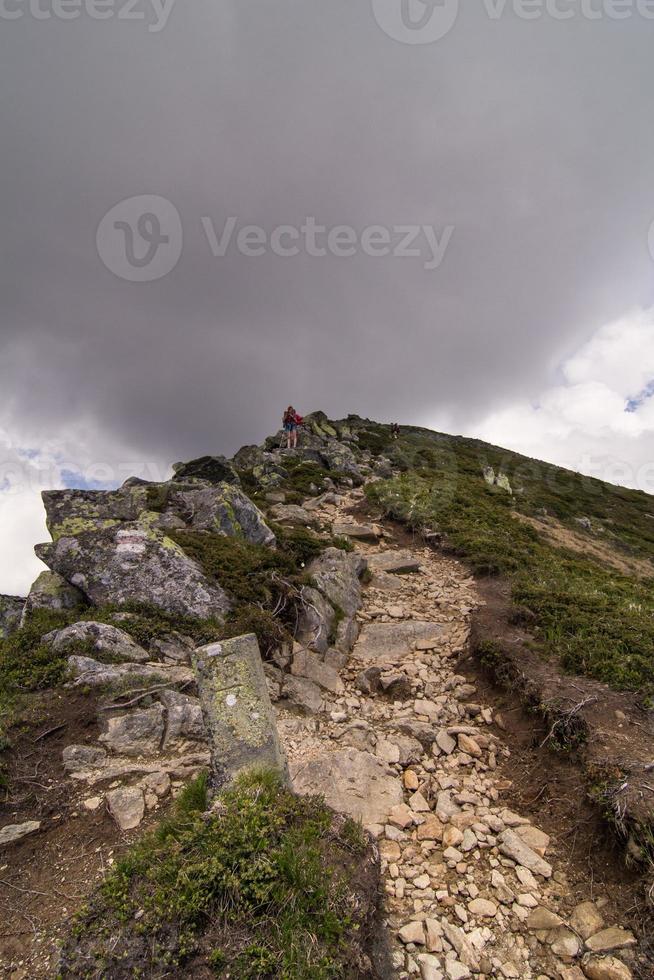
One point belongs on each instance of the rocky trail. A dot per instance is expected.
(370, 707)
(396, 738)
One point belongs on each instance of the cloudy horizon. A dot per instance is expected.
(443, 217)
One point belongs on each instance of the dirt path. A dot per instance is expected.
(472, 888)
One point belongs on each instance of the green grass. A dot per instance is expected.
(595, 619)
(264, 888)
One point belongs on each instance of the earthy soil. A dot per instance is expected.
(46, 877)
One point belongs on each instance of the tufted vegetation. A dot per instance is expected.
(268, 885)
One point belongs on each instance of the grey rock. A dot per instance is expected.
(465, 951)
(105, 639)
(183, 720)
(17, 831)
(293, 514)
(336, 576)
(51, 591)
(11, 612)
(135, 732)
(307, 664)
(173, 648)
(214, 469)
(315, 621)
(352, 782)
(86, 672)
(127, 806)
(223, 509)
(134, 563)
(359, 532)
(394, 562)
(83, 758)
(340, 459)
(302, 693)
(248, 457)
(238, 714)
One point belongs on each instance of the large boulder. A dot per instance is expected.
(214, 469)
(332, 604)
(104, 639)
(11, 612)
(72, 512)
(238, 714)
(352, 782)
(223, 509)
(134, 563)
(340, 458)
(52, 592)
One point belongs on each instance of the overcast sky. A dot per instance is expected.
(492, 175)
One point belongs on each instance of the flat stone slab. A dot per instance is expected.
(395, 562)
(352, 782)
(16, 831)
(389, 643)
(360, 532)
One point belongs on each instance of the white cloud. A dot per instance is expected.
(585, 423)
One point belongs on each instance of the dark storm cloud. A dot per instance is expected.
(532, 139)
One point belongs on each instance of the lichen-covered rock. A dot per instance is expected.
(52, 592)
(248, 457)
(134, 563)
(340, 458)
(11, 611)
(223, 509)
(71, 512)
(104, 639)
(238, 714)
(214, 469)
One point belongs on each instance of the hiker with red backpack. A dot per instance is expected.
(290, 422)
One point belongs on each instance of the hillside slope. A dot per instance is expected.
(530, 574)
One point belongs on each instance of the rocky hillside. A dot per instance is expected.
(267, 719)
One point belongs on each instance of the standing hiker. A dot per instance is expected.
(395, 430)
(290, 421)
